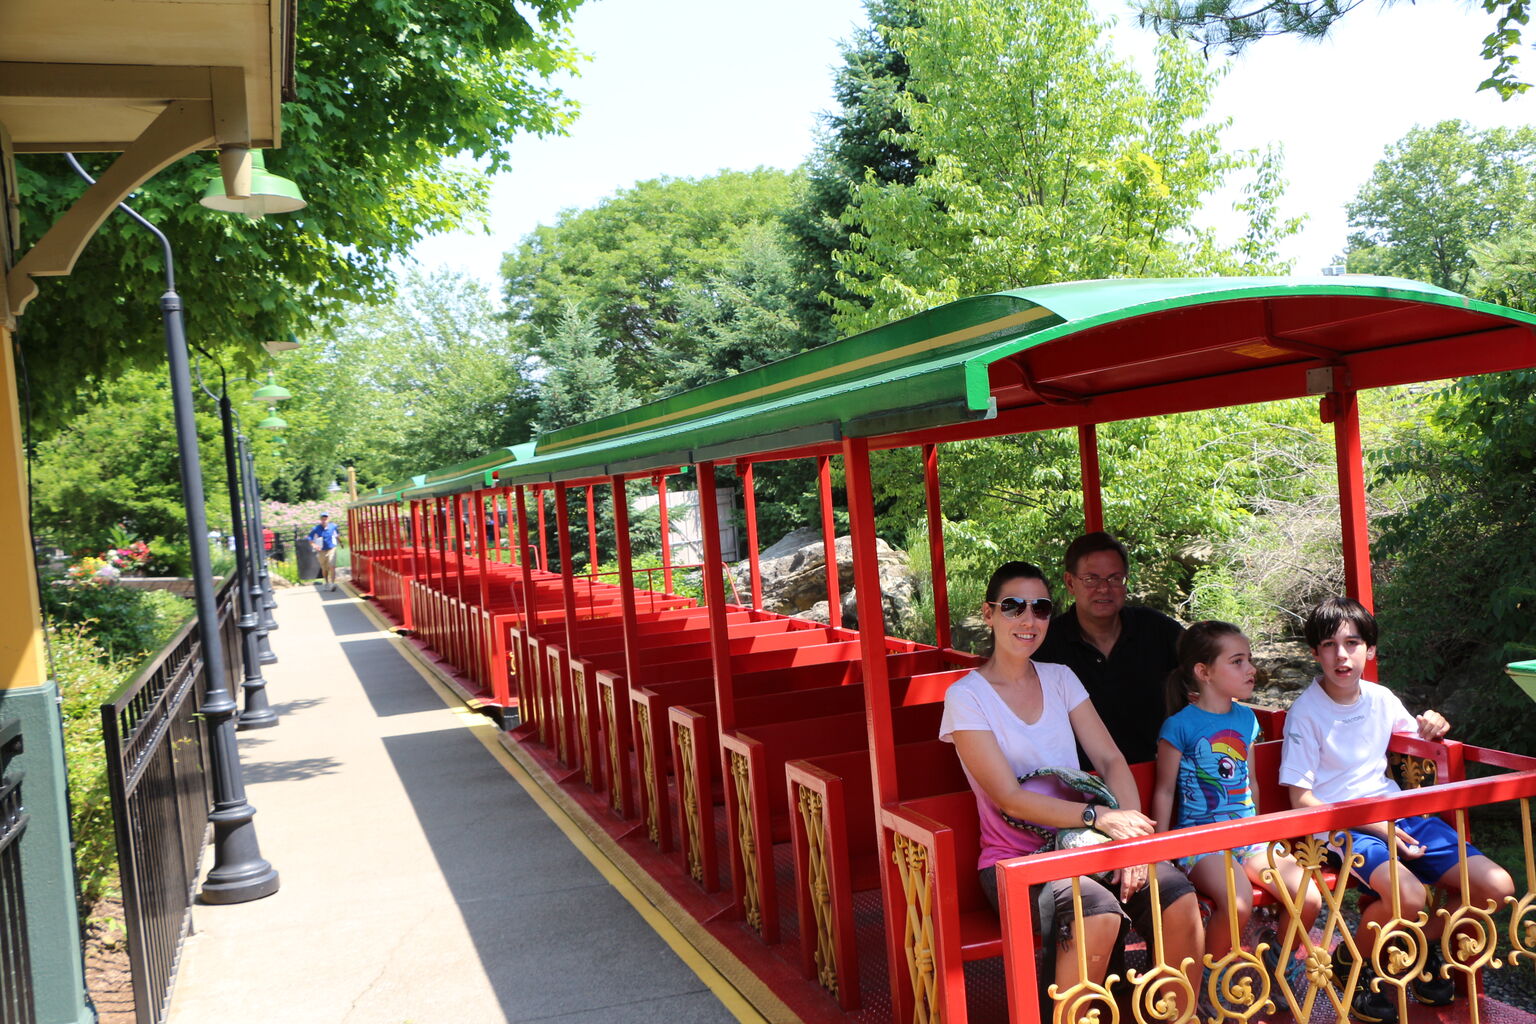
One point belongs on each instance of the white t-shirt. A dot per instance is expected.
(1339, 751)
(971, 703)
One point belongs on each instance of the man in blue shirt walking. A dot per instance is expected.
(324, 538)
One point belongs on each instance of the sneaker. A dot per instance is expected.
(1436, 991)
(1369, 1006)
(1294, 976)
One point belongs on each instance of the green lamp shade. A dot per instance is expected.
(273, 422)
(271, 392)
(270, 193)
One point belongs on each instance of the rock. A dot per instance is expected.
(795, 578)
(1285, 666)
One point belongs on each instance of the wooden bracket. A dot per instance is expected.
(183, 127)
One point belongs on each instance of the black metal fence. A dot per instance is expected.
(157, 765)
(16, 1000)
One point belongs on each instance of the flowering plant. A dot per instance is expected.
(98, 571)
(282, 516)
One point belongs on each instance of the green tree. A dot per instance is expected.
(1437, 193)
(743, 315)
(1047, 159)
(864, 140)
(390, 95)
(1232, 24)
(579, 381)
(629, 261)
(1452, 206)
(430, 378)
(116, 463)
(1466, 540)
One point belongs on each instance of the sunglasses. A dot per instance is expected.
(1013, 607)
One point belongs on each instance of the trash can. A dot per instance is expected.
(306, 562)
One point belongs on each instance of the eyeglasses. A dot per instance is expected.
(1013, 607)
(1093, 582)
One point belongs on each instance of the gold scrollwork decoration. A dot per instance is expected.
(1084, 1002)
(561, 748)
(816, 879)
(1238, 986)
(647, 750)
(752, 901)
(1522, 916)
(583, 722)
(688, 796)
(615, 780)
(1160, 994)
(1413, 772)
(917, 940)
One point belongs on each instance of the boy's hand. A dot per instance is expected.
(1408, 847)
(1432, 725)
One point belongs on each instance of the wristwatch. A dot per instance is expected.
(1090, 815)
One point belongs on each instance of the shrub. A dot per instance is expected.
(88, 675)
(123, 622)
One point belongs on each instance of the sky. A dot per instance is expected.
(687, 88)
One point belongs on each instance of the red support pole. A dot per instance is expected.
(526, 698)
(544, 535)
(829, 542)
(714, 598)
(1088, 459)
(877, 693)
(620, 795)
(457, 505)
(1344, 411)
(666, 532)
(936, 547)
(567, 594)
(417, 540)
(592, 532)
(749, 499)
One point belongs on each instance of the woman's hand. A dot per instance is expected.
(1122, 824)
(1131, 880)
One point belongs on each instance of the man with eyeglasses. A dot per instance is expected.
(1122, 654)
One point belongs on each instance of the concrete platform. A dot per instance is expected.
(422, 879)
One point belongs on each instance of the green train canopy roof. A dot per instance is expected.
(1035, 358)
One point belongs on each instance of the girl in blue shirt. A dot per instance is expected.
(1202, 768)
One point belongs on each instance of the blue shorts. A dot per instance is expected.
(1430, 832)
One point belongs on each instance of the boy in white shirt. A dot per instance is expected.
(1336, 737)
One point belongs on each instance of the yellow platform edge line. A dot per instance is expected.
(744, 996)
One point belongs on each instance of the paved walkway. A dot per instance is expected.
(421, 882)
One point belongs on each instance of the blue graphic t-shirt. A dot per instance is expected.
(1213, 770)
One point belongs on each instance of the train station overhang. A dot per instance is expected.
(149, 79)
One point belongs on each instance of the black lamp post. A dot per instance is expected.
(265, 622)
(239, 872)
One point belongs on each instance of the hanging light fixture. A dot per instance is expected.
(274, 347)
(270, 193)
(273, 422)
(271, 391)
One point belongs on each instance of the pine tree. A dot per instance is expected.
(864, 140)
(580, 383)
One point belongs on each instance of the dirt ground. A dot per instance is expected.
(107, 977)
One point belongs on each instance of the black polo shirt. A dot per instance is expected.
(1127, 687)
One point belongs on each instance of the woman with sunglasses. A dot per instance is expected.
(1011, 717)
